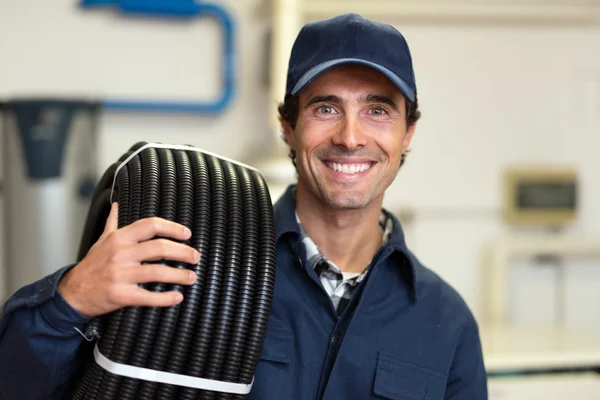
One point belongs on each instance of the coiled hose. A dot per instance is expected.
(218, 330)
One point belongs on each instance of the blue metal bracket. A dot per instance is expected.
(187, 9)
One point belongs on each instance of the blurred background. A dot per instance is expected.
(500, 194)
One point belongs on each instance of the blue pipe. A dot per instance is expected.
(180, 8)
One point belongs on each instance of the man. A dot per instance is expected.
(355, 315)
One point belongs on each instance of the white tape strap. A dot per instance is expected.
(169, 378)
(171, 147)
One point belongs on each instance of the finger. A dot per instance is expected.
(112, 222)
(159, 273)
(142, 297)
(160, 249)
(148, 228)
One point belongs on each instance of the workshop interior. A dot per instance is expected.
(499, 195)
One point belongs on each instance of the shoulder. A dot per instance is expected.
(440, 296)
(434, 295)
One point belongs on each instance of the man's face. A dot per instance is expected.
(350, 136)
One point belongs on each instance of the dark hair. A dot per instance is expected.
(290, 108)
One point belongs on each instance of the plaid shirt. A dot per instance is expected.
(331, 276)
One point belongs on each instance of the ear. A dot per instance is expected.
(287, 132)
(408, 137)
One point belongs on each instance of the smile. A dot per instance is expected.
(348, 168)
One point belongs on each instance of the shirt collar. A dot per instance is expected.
(285, 223)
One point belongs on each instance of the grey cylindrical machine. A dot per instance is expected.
(49, 176)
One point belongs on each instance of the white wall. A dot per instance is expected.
(491, 96)
(61, 49)
(56, 49)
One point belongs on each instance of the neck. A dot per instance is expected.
(348, 238)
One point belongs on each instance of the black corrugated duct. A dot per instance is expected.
(218, 330)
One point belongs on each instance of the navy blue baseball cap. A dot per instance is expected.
(350, 39)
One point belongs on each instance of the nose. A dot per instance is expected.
(350, 134)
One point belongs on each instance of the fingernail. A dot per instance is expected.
(187, 232)
(192, 276)
(197, 256)
(178, 297)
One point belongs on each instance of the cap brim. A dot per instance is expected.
(317, 70)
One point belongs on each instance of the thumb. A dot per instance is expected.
(112, 222)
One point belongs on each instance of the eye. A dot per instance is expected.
(325, 110)
(378, 110)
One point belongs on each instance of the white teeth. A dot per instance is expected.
(349, 168)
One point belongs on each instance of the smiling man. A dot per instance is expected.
(355, 315)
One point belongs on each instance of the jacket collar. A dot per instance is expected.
(286, 223)
(285, 214)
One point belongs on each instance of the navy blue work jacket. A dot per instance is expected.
(406, 334)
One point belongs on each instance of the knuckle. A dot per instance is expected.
(113, 257)
(154, 225)
(154, 273)
(114, 274)
(114, 296)
(164, 299)
(164, 246)
(114, 236)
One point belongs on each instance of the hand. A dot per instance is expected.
(108, 277)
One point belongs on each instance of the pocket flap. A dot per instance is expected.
(277, 346)
(397, 379)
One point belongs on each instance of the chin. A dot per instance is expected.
(347, 201)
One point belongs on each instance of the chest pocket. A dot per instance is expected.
(399, 380)
(273, 376)
(278, 344)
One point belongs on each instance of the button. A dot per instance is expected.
(335, 339)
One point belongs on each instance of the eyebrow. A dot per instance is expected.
(323, 99)
(373, 98)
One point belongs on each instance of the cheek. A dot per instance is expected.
(309, 136)
(392, 145)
